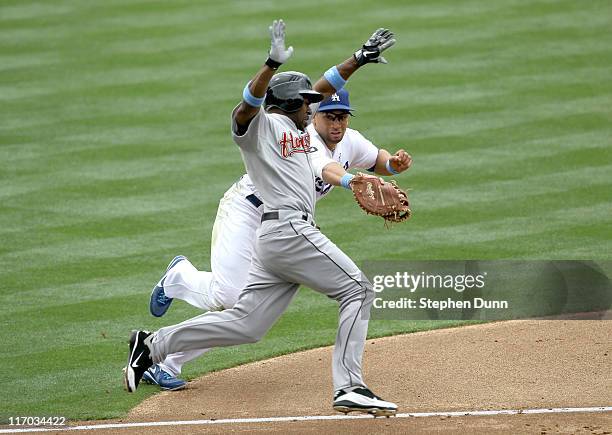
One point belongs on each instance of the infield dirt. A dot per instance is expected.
(522, 364)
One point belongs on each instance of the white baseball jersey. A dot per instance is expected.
(353, 151)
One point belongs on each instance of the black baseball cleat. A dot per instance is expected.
(139, 360)
(361, 399)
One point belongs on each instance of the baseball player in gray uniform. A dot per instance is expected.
(239, 216)
(290, 250)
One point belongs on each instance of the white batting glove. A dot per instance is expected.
(278, 54)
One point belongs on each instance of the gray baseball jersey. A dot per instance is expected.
(353, 151)
(275, 154)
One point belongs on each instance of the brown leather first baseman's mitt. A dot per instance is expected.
(379, 198)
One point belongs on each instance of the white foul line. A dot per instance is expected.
(309, 418)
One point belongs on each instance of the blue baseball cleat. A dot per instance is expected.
(156, 376)
(159, 301)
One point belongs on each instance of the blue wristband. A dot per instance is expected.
(250, 99)
(345, 180)
(389, 168)
(334, 78)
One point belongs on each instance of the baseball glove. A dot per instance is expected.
(380, 198)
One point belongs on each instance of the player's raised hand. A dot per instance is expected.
(400, 161)
(371, 50)
(278, 53)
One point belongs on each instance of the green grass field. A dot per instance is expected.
(115, 149)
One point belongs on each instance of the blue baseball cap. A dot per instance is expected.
(337, 101)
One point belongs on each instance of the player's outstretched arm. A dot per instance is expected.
(332, 173)
(387, 164)
(335, 78)
(254, 92)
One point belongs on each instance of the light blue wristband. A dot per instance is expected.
(389, 168)
(334, 78)
(345, 180)
(250, 99)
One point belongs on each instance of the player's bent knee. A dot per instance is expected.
(227, 296)
(368, 289)
(368, 293)
(362, 292)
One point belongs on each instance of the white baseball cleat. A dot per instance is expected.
(361, 399)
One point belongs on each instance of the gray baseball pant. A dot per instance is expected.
(289, 251)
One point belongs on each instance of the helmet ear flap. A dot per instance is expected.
(270, 98)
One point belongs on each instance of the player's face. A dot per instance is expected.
(302, 116)
(331, 126)
(305, 114)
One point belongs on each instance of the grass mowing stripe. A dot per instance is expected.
(492, 91)
(533, 224)
(78, 147)
(441, 72)
(91, 244)
(514, 152)
(27, 61)
(568, 243)
(586, 248)
(110, 177)
(517, 205)
(485, 138)
(15, 219)
(112, 207)
(93, 248)
(51, 225)
(20, 12)
(83, 291)
(540, 244)
(466, 101)
(511, 120)
(514, 173)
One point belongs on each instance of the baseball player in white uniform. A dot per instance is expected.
(239, 216)
(289, 250)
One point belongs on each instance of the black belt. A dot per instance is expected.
(254, 200)
(273, 215)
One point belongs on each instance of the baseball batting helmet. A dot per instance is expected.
(287, 91)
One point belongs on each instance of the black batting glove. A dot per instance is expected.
(373, 47)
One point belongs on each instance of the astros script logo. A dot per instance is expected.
(291, 144)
